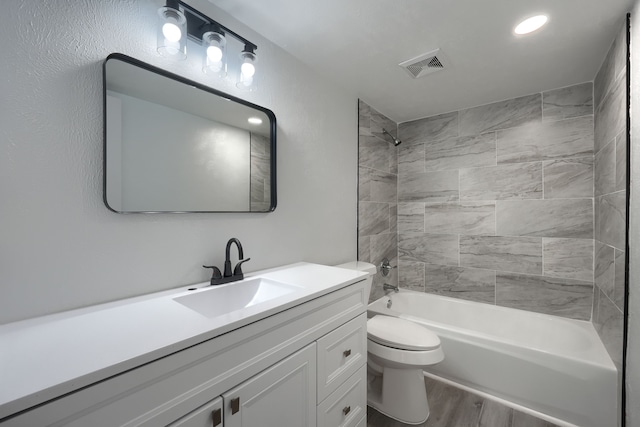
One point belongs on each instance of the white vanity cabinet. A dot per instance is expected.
(303, 366)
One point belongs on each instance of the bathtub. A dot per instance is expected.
(548, 366)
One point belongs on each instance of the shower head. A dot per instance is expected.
(396, 141)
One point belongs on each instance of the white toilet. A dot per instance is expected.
(398, 350)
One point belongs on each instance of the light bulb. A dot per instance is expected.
(530, 25)
(214, 53)
(171, 32)
(255, 120)
(248, 69)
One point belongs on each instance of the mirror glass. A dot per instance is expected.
(173, 145)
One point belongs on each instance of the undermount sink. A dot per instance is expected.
(216, 301)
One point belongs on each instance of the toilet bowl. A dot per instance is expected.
(397, 352)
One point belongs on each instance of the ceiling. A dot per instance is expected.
(359, 43)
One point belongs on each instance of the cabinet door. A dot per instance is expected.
(283, 395)
(208, 415)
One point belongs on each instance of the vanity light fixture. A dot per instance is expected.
(172, 31)
(255, 120)
(530, 25)
(180, 21)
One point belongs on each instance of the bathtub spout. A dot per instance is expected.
(387, 287)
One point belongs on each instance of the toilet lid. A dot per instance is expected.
(402, 334)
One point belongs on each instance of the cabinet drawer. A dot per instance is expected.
(340, 354)
(347, 406)
(209, 415)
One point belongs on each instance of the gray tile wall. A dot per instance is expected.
(260, 173)
(378, 193)
(610, 162)
(496, 204)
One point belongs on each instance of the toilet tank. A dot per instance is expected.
(362, 266)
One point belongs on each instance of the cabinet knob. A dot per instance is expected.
(346, 410)
(235, 405)
(346, 353)
(217, 417)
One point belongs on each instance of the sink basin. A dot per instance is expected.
(219, 300)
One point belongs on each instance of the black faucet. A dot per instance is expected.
(218, 278)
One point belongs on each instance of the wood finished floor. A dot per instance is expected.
(452, 407)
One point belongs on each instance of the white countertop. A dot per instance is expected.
(46, 357)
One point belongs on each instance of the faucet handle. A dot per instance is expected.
(237, 271)
(216, 274)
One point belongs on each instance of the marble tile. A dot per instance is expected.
(429, 128)
(517, 181)
(568, 258)
(604, 267)
(568, 179)
(500, 115)
(611, 114)
(621, 161)
(568, 102)
(374, 153)
(428, 248)
(363, 248)
(393, 160)
(364, 115)
(461, 152)
(441, 186)
(515, 254)
(612, 219)
(393, 218)
(605, 76)
(609, 324)
(411, 217)
(384, 246)
(411, 158)
(560, 297)
(373, 218)
(619, 279)
(377, 186)
(571, 218)
(546, 141)
(411, 275)
(605, 170)
(459, 282)
(379, 121)
(495, 414)
(460, 218)
(364, 184)
(613, 64)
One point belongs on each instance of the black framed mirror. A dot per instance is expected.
(174, 145)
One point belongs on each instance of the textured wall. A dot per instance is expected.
(495, 203)
(377, 194)
(61, 248)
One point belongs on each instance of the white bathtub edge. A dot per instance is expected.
(499, 400)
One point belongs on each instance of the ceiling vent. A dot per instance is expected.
(424, 64)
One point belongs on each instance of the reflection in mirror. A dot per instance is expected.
(173, 145)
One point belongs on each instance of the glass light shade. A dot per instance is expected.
(215, 60)
(247, 71)
(172, 33)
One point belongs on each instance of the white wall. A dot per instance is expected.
(60, 247)
(633, 331)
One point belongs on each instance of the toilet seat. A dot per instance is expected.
(401, 334)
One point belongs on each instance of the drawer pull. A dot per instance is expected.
(235, 405)
(217, 417)
(346, 353)
(346, 410)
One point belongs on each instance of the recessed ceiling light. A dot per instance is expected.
(255, 121)
(530, 24)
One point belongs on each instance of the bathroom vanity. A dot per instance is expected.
(287, 347)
